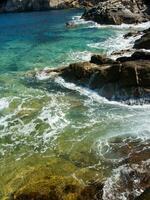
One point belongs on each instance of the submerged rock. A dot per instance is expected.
(40, 184)
(70, 25)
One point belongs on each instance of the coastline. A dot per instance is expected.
(47, 182)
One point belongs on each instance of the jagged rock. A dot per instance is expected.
(138, 55)
(117, 12)
(131, 72)
(99, 60)
(132, 34)
(88, 72)
(143, 42)
(135, 73)
(128, 77)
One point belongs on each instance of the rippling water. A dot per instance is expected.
(69, 128)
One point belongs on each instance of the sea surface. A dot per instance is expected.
(71, 129)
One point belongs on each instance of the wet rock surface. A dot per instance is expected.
(40, 184)
(128, 77)
(144, 41)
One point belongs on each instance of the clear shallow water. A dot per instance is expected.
(70, 129)
(38, 40)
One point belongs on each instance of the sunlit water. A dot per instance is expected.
(69, 128)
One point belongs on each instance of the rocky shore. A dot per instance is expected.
(123, 79)
(118, 12)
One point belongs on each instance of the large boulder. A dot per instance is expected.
(117, 12)
(95, 76)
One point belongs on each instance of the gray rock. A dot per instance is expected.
(118, 12)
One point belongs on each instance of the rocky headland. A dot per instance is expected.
(118, 12)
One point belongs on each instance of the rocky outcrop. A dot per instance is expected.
(36, 5)
(30, 5)
(131, 71)
(144, 41)
(118, 12)
(123, 79)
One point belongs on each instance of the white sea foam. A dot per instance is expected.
(43, 75)
(77, 20)
(115, 43)
(141, 26)
(55, 115)
(94, 96)
(79, 56)
(90, 24)
(4, 103)
(118, 186)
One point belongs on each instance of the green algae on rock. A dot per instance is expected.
(40, 184)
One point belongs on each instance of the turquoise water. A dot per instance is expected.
(70, 129)
(36, 40)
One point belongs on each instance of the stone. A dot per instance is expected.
(143, 42)
(117, 12)
(135, 73)
(99, 60)
(137, 55)
(145, 195)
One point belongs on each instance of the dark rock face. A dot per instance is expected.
(145, 195)
(118, 12)
(99, 60)
(138, 55)
(35, 5)
(144, 41)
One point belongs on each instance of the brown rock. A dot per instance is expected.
(100, 60)
(135, 73)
